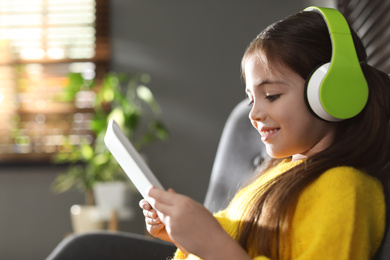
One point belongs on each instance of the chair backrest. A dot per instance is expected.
(239, 152)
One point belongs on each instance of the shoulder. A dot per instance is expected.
(346, 179)
(343, 188)
(344, 204)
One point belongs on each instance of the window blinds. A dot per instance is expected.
(41, 41)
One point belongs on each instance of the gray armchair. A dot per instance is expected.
(239, 152)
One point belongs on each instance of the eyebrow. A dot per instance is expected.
(270, 82)
(264, 83)
(267, 82)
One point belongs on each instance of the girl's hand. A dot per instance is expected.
(153, 223)
(192, 227)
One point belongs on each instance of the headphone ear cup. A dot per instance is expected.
(313, 97)
(337, 90)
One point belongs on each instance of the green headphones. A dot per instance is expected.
(337, 90)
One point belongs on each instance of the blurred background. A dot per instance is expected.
(191, 52)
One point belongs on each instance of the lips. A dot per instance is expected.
(267, 133)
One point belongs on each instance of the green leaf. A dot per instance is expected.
(132, 121)
(145, 94)
(101, 159)
(98, 123)
(160, 129)
(118, 115)
(87, 152)
(74, 85)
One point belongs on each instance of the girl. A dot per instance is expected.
(319, 195)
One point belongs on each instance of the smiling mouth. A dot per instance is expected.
(265, 135)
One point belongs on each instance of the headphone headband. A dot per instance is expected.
(338, 90)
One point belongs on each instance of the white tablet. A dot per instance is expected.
(129, 159)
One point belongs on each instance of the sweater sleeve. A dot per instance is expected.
(339, 216)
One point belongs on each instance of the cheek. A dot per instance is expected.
(299, 128)
(310, 133)
(302, 125)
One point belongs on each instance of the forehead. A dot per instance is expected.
(259, 67)
(260, 72)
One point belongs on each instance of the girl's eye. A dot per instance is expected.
(250, 103)
(272, 98)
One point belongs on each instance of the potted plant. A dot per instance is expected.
(124, 98)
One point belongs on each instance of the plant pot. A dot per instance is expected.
(86, 219)
(113, 197)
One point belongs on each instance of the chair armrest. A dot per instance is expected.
(111, 245)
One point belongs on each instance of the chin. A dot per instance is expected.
(277, 154)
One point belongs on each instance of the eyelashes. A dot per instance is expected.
(272, 98)
(269, 97)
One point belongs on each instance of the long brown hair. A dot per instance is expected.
(302, 43)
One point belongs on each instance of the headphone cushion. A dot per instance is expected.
(313, 96)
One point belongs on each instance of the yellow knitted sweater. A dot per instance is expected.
(341, 215)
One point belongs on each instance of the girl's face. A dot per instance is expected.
(280, 114)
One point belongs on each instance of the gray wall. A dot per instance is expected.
(192, 50)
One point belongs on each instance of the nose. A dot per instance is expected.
(257, 113)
